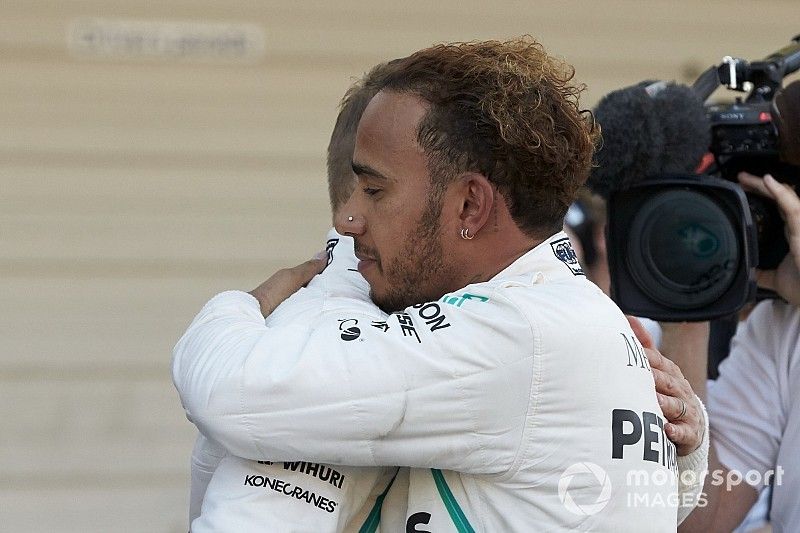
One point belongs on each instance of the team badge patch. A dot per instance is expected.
(563, 250)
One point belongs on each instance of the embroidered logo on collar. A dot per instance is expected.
(563, 250)
(329, 248)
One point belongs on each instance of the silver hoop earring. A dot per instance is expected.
(465, 234)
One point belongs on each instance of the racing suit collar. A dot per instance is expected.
(552, 259)
(341, 278)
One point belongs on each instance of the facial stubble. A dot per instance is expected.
(419, 273)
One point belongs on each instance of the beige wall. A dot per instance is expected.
(132, 189)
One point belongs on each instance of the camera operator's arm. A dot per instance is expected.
(686, 345)
(785, 280)
(723, 507)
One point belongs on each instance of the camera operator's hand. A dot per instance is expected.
(785, 280)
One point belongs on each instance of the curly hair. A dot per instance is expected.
(509, 111)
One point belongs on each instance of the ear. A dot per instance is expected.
(478, 201)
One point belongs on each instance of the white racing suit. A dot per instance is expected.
(242, 495)
(521, 403)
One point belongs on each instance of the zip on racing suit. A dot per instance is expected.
(526, 400)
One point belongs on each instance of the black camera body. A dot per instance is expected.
(685, 246)
(744, 137)
(742, 130)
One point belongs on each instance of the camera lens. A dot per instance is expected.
(682, 249)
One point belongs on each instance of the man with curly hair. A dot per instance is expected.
(512, 386)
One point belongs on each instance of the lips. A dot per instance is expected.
(365, 265)
(364, 253)
(366, 261)
(364, 257)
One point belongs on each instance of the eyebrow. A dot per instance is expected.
(365, 170)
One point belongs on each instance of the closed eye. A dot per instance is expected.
(371, 191)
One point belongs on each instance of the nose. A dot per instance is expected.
(348, 221)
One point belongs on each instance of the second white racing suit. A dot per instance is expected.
(248, 496)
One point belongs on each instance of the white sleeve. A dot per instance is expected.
(206, 456)
(746, 410)
(436, 386)
(692, 470)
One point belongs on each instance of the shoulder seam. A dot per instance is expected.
(535, 376)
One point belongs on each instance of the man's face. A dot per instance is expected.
(397, 219)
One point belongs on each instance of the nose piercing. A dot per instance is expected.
(349, 219)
